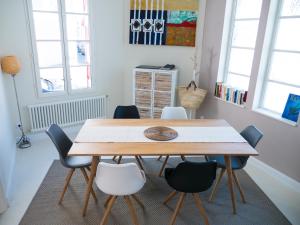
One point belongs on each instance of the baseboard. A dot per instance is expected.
(283, 191)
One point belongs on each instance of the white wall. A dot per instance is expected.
(114, 57)
(280, 145)
(158, 55)
(7, 141)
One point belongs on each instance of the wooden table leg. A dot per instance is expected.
(94, 165)
(230, 181)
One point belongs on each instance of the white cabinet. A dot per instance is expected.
(153, 89)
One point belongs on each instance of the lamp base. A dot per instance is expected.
(24, 142)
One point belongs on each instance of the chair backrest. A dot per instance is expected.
(252, 135)
(126, 112)
(191, 177)
(61, 141)
(173, 113)
(119, 179)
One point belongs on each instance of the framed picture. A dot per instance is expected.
(166, 22)
(292, 108)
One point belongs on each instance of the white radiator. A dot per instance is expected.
(67, 113)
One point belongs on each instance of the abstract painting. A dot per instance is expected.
(163, 22)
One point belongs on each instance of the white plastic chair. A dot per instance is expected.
(172, 113)
(120, 180)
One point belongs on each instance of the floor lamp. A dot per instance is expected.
(11, 65)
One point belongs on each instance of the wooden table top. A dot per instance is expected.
(159, 148)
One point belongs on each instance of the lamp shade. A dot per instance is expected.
(10, 65)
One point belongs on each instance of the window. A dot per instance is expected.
(61, 44)
(239, 43)
(282, 73)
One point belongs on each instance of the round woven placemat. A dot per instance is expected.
(160, 133)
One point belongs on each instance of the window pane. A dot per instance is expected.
(277, 95)
(46, 26)
(241, 61)
(80, 77)
(244, 33)
(248, 9)
(52, 79)
(77, 27)
(79, 52)
(285, 67)
(49, 53)
(291, 8)
(77, 6)
(239, 82)
(46, 5)
(288, 34)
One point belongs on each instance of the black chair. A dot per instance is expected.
(190, 177)
(63, 144)
(252, 135)
(127, 112)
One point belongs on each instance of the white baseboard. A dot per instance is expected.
(283, 191)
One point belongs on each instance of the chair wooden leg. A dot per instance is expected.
(114, 158)
(119, 160)
(87, 181)
(201, 208)
(159, 157)
(68, 178)
(178, 207)
(169, 197)
(131, 210)
(182, 157)
(107, 211)
(239, 187)
(107, 200)
(139, 162)
(141, 158)
(138, 200)
(163, 166)
(212, 195)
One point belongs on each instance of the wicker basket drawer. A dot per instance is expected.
(163, 82)
(162, 99)
(143, 80)
(157, 113)
(144, 113)
(143, 98)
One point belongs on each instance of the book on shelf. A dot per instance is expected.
(230, 94)
(292, 108)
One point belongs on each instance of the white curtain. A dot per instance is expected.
(3, 202)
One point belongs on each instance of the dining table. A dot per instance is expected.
(125, 137)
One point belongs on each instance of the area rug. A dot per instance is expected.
(44, 209)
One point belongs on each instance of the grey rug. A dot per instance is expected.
(44, 209)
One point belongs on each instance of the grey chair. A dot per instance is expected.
(63, 145)
(252, 135)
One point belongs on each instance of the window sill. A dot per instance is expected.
(275, 116)
(231, 103)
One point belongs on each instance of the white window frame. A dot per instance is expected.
(64, 46)
(227, 46)
(269, 57)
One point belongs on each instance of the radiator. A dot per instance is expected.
(67, 113)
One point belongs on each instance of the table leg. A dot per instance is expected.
(94, 165)
(230, 181)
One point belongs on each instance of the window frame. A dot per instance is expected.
(61, 12)
(269, 58)
(227, 43)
